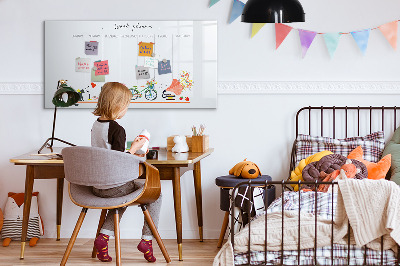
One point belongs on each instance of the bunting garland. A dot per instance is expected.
(213, 2)
(389, 30)
(237, 8)
(256, 27)
(281, 31)
(306, 39)
(361, 37)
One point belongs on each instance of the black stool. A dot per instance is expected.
(226, 183)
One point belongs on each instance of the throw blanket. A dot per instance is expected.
(371, 206)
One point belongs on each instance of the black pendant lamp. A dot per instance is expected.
(273, 11)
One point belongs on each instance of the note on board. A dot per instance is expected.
(164, 67)
(91, 48)
(142, 72)
(101, 67)
(146, 48)
(99, 78)
(82, 65)
(150, 62)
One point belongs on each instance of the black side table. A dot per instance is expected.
(226, 183)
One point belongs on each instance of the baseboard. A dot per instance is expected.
(259, 87)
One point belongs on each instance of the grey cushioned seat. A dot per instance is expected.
(87, 167)
(83, 195)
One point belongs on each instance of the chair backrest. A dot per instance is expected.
(92, 166)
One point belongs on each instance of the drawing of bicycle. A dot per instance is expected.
(149, 92)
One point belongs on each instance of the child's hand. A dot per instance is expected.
(143, 155)
(137, 144)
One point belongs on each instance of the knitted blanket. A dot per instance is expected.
(371, 207)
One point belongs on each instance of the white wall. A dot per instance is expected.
(259, 127)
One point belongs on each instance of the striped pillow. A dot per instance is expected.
(372, 145)
(13, 228)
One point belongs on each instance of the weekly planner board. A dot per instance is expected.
(165, 64)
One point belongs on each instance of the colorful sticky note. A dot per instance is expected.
(142, 72)
(164, 67)
(150, 62)
(99, 78)
(146, 48)
(82, 65)
(91, 48)
(101, 67)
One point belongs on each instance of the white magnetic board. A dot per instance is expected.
(166, 64)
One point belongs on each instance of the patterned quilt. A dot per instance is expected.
(321, 205)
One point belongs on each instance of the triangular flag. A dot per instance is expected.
(390, 32)
(306, 39)
(213, 2)
(332, 41)
(255, 28)
(281, 31)
(361, 37)
(237, 8)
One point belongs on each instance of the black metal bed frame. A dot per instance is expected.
(283, 184)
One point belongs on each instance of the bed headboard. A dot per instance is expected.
(344, 121)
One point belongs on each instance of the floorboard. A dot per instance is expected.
(50, 252)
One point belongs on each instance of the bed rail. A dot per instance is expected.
(353, 118)
(265, 185)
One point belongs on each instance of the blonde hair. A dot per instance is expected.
(113, 98)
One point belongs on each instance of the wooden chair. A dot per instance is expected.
(85, 167)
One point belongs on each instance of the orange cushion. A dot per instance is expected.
(375, 170)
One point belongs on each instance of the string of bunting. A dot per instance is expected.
(361, 37)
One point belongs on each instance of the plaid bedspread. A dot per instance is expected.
(321, 205)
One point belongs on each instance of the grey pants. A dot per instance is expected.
(154, 208)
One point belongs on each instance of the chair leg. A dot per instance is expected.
(73, 237)
(154, 230)
(101, 222)
(223, 229)
(117, 239)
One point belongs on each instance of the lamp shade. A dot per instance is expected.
(273, 11)
(65, 96)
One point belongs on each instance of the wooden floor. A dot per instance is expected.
(50, 252)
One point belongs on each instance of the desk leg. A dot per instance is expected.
(27, 206)
(176, 182)
(60, 190)
(199, 204)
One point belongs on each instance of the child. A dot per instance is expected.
(112, 104)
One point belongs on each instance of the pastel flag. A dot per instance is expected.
(306, 39)
(389, 30)
(332, 41)
(281, 31)
(361, 37)
(213, 2)
(256, 27)
(237, 8)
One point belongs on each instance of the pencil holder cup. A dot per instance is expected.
(200, 143)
